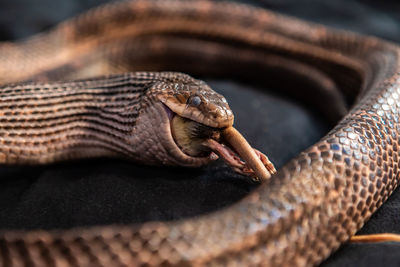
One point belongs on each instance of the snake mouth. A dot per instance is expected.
(198, 140)
(190, 136)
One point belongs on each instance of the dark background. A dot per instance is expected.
(107, 191)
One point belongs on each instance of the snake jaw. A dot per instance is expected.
(197, 126)
(169, 112)
(196, 139)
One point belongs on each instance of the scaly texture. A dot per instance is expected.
(303, 213)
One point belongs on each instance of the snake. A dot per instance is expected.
(84, 88)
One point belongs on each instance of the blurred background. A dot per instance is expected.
(103, 192)
(380, 18)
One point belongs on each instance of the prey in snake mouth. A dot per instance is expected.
(201, 124)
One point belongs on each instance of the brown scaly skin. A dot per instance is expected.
(305, 211)
(122, 115)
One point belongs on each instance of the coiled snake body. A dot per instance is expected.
(298, 217)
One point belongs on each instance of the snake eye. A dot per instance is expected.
(194, 101)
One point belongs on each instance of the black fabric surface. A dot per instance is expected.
(105, 191)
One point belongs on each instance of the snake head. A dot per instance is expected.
(194, 100)
(187, 123)
(192, 113)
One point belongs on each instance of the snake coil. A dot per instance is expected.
(298, 217)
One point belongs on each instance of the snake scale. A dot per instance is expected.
(298, 217)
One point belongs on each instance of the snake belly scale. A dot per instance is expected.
(299, 217)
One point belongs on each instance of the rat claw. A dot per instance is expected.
(254, 164)
(214, 156)
(246, 172)
(267, 163)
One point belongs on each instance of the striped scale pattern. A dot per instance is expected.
(47, 122)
